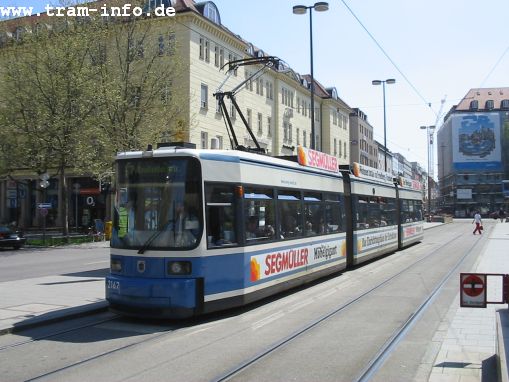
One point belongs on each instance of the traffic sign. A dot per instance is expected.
(473, 290)
(44, 205)
(43, 211)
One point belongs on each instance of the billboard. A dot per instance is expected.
(476, 142)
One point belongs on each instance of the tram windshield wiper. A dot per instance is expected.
(154, 236)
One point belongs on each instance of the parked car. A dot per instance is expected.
(10, 238)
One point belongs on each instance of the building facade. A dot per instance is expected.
(364, 148)
(473, 153)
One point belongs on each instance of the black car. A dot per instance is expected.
(10, 238)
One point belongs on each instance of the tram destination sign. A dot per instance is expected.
(366, 172)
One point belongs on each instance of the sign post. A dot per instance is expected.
(473, 290)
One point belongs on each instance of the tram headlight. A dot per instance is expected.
(116, 265)
(179, 268)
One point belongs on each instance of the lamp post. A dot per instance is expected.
(320, 6)
(429, 139)
(388, 81)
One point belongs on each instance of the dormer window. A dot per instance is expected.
(211, 12)
(490, 105)
(250, 50)
(504, 104)
(474, 105)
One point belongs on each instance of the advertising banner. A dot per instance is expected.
(476, 141)
(280, 261)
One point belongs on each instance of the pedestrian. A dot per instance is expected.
(478, 222)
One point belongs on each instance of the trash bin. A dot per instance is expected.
(107, 229)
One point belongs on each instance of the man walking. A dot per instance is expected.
(478, 222)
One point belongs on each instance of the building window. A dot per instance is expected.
(304, 136)
(297, 134)
(290, 127)
(216, 55)
(269, 121)
(344, 149)
(171, 44)
(204, 96)
(204, 140)
(207, 51)
(249, 117)
(220, 141)
(490, 104)
(160, 45)
(335, 147)
(285, 131)
(260, 127)
(202, 48)
(233, 112)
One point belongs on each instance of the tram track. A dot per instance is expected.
(377, 361)
(236, 372)
(58, 332)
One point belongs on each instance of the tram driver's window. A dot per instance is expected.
(221, 225)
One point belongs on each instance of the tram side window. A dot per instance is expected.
(334, 214)
(259, 215)
(418, 210)
(221, 225)
(388, 210)
(406, 211)
(290, 214)
(314, 221)
(411, 211)
(367, 212)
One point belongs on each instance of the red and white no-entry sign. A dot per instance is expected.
(473, 290)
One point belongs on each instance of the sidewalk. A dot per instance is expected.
(29, 302)
(467, 338)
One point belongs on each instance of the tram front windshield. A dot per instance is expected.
(158, 204)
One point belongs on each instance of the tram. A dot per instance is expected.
(197, 231)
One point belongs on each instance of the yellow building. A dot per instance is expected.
(275, 104)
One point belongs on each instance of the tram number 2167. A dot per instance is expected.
(113, 285)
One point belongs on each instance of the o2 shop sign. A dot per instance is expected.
(90, 200)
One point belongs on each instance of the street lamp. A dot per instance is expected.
(320, 6)
(429, 139)
(388, 81)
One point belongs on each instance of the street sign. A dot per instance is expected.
(473, 290)
(43, 211)
(43, 205)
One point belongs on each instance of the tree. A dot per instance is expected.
(139, 77)
(48, 104)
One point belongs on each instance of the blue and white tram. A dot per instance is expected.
(374, 222)
(411, 229)
(197, 231)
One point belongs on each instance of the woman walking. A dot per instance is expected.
(478, 222)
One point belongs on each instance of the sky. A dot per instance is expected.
(436, 50)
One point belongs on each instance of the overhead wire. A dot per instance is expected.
(427, 103)
(494, 67)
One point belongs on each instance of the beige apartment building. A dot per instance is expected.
(276, 105)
